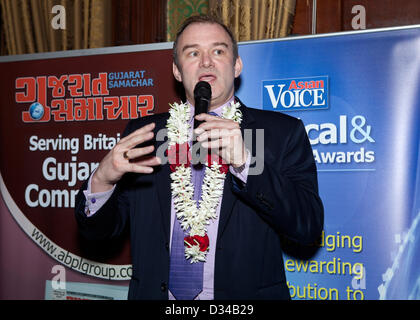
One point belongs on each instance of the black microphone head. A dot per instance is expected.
(202, 96)
(202, 90)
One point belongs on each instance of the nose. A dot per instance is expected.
(206, 60)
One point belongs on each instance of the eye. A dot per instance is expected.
(218, 52)
(193, 53)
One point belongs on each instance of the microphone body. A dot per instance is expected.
(202, 96)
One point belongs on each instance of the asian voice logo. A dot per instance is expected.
(296, 94)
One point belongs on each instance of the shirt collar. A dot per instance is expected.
(217, 111)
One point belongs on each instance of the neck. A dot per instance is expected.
(214, 106)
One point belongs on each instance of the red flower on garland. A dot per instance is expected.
(203, 242)
(212, 157)
(179, 155)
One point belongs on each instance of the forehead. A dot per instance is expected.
(202, 34)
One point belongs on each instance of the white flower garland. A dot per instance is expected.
(192, 218)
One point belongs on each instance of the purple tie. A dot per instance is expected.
(186, 278)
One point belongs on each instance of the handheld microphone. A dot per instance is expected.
(202, 96)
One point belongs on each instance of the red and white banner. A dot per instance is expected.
(59, 117)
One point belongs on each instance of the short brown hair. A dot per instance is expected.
(204, 19)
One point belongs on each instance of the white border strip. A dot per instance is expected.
(333, 34)
(87, 52)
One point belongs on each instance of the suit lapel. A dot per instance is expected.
(229, 198)
(228, 201)
(163, 184)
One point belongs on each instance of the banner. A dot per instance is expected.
(60, 116)
(359, 97)
(357, 94)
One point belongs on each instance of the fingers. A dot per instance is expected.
(137, 152)
(137, 137)
(214, 134)
(213, 122)
(215, 144)
(231, 142)
(125, 148)
(206, 117)
(215, 127)
(120, 159)
(139, 160)
(224, 136)
(144, 166)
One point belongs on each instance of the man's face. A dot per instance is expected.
(205, 54)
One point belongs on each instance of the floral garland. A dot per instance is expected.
(192, 219)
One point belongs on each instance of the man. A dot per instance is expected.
(131, 185)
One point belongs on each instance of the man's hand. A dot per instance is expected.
(224, 137)
(124, 157)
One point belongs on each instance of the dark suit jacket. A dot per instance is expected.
(282, 200)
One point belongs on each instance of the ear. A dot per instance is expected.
(238, 66)
(176, 72)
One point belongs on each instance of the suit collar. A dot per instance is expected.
(247, 117)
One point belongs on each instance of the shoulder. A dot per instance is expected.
(273, 119)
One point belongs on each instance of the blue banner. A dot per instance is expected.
(358, 95)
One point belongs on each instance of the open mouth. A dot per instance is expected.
(207, 77)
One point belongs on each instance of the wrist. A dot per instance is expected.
(98, 184)
(239, 166)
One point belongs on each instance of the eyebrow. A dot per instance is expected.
(215, 44)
